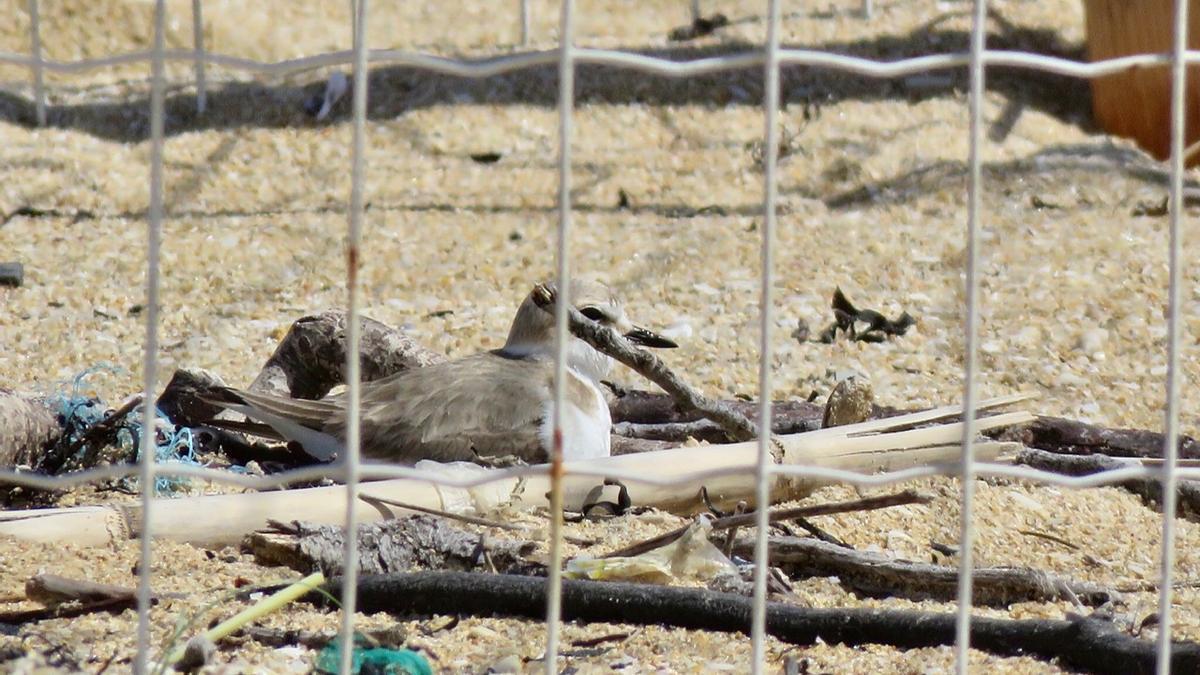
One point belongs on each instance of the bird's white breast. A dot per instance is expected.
(586, 425)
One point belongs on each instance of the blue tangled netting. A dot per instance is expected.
(79, 413)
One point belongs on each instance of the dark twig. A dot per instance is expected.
(1149, 489)
(878, 574)
(67, 611)
(607, 341)
(1087, 643)
(820, 533)
(749, 519)
(731, 534)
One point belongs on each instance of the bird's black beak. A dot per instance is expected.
(648, 338)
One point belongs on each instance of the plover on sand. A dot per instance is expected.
(493, 404)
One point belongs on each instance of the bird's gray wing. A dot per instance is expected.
(292, 419)
(482, 405)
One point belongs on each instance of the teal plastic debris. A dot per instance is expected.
(79, 412)
(369, 660)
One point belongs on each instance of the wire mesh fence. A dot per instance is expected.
(771, 58)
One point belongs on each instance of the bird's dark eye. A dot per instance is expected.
(592, 313)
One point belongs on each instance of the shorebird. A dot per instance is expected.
(487, 405)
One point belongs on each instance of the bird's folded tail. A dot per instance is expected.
(285, 419)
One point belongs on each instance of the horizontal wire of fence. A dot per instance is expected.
(500, 65)
(372, 471)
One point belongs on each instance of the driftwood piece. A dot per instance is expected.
(1087, 643)
(27, 428)
(1149, 489)
(311, 358)
(604, 339)
(879, 575)
(400, 544)
(51, 589)
(66, 611)
(1065, 436)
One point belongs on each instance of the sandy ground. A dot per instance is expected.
(872, 193)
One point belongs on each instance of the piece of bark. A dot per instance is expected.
(400, 544)
(607, 341)
(1065, 436)
(27, 428)
(311, 358)
(1149, 489)
(1090, 643)
(181, 399)
(879, 575)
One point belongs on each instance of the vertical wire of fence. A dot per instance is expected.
(763, 475)
(566, 107)
(198, 49)
(148, 441)
(1174, 333)
(524, 11)
(962, 640)
(351, 460)
(38, 68)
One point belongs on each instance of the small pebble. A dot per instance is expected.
(12, 274)
(850, 402)
(1092, 340)
(198, 652)
(1029, 336)
(801, 332)
(680, 330)
(483, 633)
(508, 664)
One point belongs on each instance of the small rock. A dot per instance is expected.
(12, 274)
(680, 330)
(483, 633)
(1069, 379)
(1029, 336)
(1092, 340)
(508, 664)
(802, 331)
(198, 652)
(850, 402)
